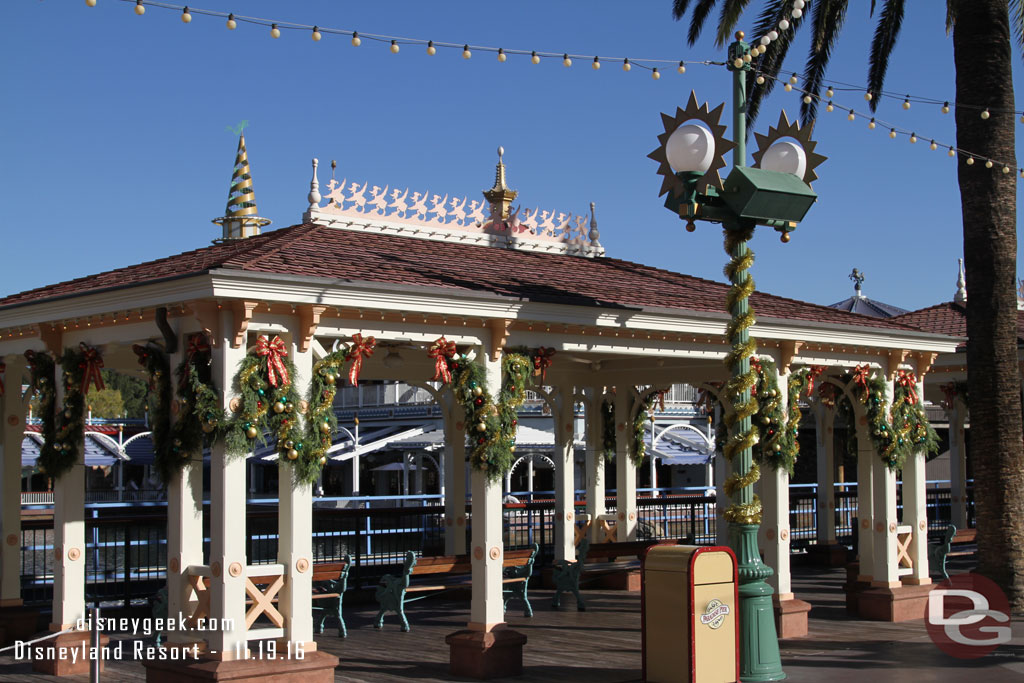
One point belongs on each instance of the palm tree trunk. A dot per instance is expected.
(981, 45)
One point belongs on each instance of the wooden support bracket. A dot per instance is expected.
(896, 356)
(789, 350)
(208, 316)
(499, 328)
(309, 319)
(242, 315)
(925, 359)
(52, 338)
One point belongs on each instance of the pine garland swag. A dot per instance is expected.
(321, 422)
(639, 451)
(61, 450)
(200, 413)
(774, 446)
(158, 400)
(43, 381)
(608, 429)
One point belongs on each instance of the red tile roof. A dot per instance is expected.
(948, 318)
(343, 255)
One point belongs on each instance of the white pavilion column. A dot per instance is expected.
(227, 525)
(529, 476)
(454, 475)
(625, 472)
(957, 463)
(883, 562)
(915, 510)
(12, 412)
(824, 421)
(565, 489)
(69, 535)
(295, 533)
(184, 528)
(774, 529)
(595, 459)
(866, 457)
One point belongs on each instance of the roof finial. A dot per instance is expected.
(594, 234)
(858, 279)
(500, 196)
(240, 218)
(961, 284)
(314, 187)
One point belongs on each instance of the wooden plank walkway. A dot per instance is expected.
(602, 645)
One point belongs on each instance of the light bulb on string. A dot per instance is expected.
(356, 42)
(275, 32)
(945, 107)
(682, 70)
(1006, 169)
(783, 25)
(892, 133)
(829, 108)
(738, 63)
(906, 102)
(431, 50)
(139, 8)
(654, 74)
(747, 58)
(970, 161)
(759, 80)
(985, 115)
(186, 16)
(625, 64)
(232, 24)
(316, 34)
(807, 99)
(395, 48)
(793, 79)
(1022, 173)
(988, 164)
(871, 123)
(765, 40)
(1022, 118)
(796, 13)
(466, 54)
(597, 63)
(90, 3)
(501, 55)
(952, 152)
(867, 96)
(773, 35)
(913, 138)
(788, 87)
(933, 146)
(851, 116)
(534, 57)
(830, 93)
(566, 60)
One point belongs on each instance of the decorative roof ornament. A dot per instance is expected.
(858, 280)
(961, 284)
(500, 195)
(240, 219)
(423, 215)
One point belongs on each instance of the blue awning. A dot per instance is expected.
(100, 451)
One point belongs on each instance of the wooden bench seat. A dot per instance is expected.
(450, 571)
(593, 558)
(952, 542)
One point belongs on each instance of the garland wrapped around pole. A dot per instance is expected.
(643, 415)
(158, 402)
(43, 380)
(321, 422)
(775, 442)
(200, 414)
(742, 436)
(269, 402)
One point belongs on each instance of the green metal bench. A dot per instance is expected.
(452, 571)
(567, 574)
(940, 551)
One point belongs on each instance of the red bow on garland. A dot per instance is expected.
(542, 361)
(441, 350)
(92, 365)
(3, 368)
(812, 375)
(143, 353)
(827, 394)
(907, 379)
(361, 348)
(197, 346)
(661, 399)
(275, 353)
(860, 376)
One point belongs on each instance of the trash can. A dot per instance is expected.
(689, 610)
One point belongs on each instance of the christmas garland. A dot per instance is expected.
(269, 402)
(200, 413)
(775, 441)
(158, 400)
(321, 422)
(608, 429)
(639, 451)
(490, 426)
(62, 434)
(42, 378)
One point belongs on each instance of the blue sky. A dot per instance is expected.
(114, 146)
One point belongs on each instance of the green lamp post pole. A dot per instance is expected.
(759, 645)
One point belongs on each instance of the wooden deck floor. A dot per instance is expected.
(602, 645)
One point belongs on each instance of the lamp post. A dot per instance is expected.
(775, 192)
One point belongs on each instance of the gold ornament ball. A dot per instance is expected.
(289, 444)
(278, 407)
(325, 428)
(511, 449)
(293, 454)
(691, 226)
(785, 238)
(289, 408)
(209, 427)
(481, 427)
(323, 459)
(477, 391)
(331, 378)
(251, 432)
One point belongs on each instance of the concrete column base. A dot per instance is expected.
(791, 617)
(314, 667)
(827, 554)
(901, 603)
(71, 654)
(853, 587)
(18, 623)
(484, 655)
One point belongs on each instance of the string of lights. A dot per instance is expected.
(653, 65)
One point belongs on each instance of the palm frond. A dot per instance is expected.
(827, 22)
(950, 16)
(679, 8)
(1017, 22)
(886, 33)
(770, 63)
(697, 21)
(731, 12)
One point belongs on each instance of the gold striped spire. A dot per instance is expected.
(240, 219)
